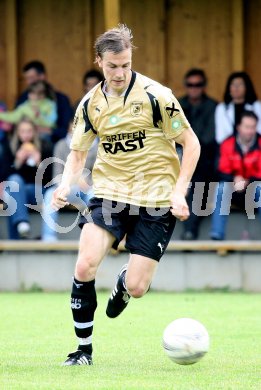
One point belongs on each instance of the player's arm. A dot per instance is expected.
(176, 128)
(71, 175)
(191, 152)
(81, 142)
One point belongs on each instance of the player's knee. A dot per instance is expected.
(137, 290)
(86, 268)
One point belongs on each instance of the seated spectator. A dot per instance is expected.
(80, 194)
(4, 162)
(90, 79)
(39, 108)
(239, 165)
(4, 127)
(27, 150)
(239, 96)
(35, 71)
(199, 109)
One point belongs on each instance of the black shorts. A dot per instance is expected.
(148, 230)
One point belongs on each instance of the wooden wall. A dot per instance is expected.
(252, 41)
(2, 54)
(171, 36)
(147, 21)
(8, 52)
(60, 34)
(201, 34)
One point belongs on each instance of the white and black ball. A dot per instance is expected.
(185, 341)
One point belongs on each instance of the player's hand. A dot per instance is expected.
(179, 206)
(59, 198)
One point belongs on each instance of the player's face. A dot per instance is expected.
(247, 129)
(117, 70)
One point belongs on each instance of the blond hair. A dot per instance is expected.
(15, 141)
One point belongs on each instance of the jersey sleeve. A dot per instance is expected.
(83, 133)
(174, 121)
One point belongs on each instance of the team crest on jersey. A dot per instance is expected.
(171, 110)
(136, 108)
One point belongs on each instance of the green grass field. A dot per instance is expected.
(36, 334)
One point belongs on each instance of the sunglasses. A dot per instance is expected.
(195, 85)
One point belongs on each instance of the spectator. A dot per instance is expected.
(239, 96)
(39, 108)
(27, 150)
(239, 165)
(5, 161)
(4, 155)
(80, 194)
(4, 127)
(35, 71)
(90, 79)
(199, 109)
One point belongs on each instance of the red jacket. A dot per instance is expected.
(233, 162)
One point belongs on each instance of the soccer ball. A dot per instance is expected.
(185, 341)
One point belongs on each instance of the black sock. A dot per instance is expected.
(85, 348)
(83, 305)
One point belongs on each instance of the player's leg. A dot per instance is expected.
(147, 241)
(94, 244)
(139, 275)
(134, 280)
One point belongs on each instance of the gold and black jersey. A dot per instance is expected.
(137, 161)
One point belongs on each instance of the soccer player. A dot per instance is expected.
(139, 185)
